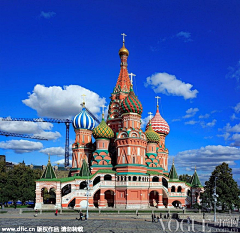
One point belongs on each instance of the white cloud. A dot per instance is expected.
(234, 72)
(234, 117)
(59, 151)
(192, 122)
(212, 123)
(207, 158)
(174, 120)
(204, 116)
(47, 15)
(49, 135)
(62, 161)
(58, 102)
(236, 138)
(225, 135)
(237, 108)
(234, 129)
(191, 112)
(170, 85)
(186, 36)
(21, 146)
(35, 128)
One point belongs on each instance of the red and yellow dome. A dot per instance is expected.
(159, 125)
(131, 104)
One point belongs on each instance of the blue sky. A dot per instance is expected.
(186, 52)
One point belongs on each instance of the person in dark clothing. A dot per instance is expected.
(56, 212)
(152, 217)
(160, 215)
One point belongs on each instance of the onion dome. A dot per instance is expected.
(123, 51)
(159, 125)
(83, 120)
(103, 131)
(151, 135)
(131, 103)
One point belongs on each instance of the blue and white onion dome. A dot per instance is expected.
(83, 120)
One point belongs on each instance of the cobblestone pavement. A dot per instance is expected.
(47, 222)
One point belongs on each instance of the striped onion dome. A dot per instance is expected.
(159, 125)
(151, 135)
(131, 103)
(103, 131)
(83, 120)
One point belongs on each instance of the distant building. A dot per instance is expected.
(127, 168)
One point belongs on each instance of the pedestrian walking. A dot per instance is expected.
(152, 217)
(36, 213)
(158, 219)
(203, 215)
(188, 219)
(160, 215)
(56, 212)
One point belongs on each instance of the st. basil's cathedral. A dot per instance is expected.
(125, 167)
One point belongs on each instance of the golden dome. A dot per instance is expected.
(123, 51)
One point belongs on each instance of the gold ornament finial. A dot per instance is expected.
(103, 106)
(123, 50)
(83, 103)
(157, 97)
(48, 157)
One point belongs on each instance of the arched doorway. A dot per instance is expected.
(177, 204)
(72, 203)
(109, 196)
(48, 197)
(153, 198)
(96, 198)
(155, 179)
(164, 182)
(52, 198)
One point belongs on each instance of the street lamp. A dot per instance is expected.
(215, 196)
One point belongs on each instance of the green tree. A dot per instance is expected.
(3, 181)
(185, 178)
(227, 188)
(21, 183)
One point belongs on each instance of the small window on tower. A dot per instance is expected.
(133, 159)
(103, 144)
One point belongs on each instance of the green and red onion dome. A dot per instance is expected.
(103, 131)
(131, 104)
(152, 136)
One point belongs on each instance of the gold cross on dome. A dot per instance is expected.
(131, 77)
(123, 34)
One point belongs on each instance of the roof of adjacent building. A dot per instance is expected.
(173, 173)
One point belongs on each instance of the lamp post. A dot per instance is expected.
(215, 196)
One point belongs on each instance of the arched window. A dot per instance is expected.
(129, 178)
(155, 179)
(179, 189)
(107, 177)
(83, 185)
(189, 193)
(139, 178)
(173, 189)
(133, 159)
(164, 182)
(134, 178)
(96, 180)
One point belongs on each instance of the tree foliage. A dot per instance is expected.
(227, 188)
(186, 178)
(18, 183)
